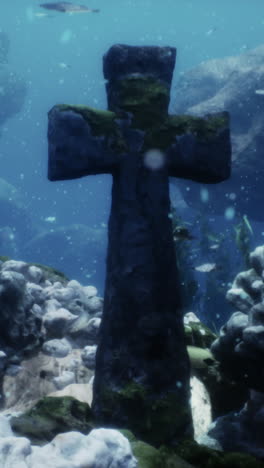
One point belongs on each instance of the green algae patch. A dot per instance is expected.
(4, 258)
(154, 420)
(198, 334)
(52, 416)
(51, 273)
(102, 123)
(146, 98)
(151, 457)
(201, 456)
(163, 134)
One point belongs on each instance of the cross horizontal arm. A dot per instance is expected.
(82, 141)
(201, 149)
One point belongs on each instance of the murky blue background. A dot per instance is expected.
(40, 45)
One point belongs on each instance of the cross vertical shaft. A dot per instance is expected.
(142, 367)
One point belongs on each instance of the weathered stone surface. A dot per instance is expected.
(231, 84)
(138, 143)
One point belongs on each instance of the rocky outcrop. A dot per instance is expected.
(234, 84)
(240, 346)
(101, 448)
(52, 416)
(240, 351)
(242, 431)
(45, 320)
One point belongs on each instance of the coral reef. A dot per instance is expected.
(240, 351)
(240, 346)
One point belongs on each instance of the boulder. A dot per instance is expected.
(242, 431)
(240, 345)
(88, 356)
(20, 327)
(234, 84)
(52, 416)
(57, 348)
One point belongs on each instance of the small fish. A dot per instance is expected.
(181, 233)
(67, 7)
(260, 92)
(206, 267)
(64, 65)
(210, 31)
(214, 247)
(50, 219)
(40, 14)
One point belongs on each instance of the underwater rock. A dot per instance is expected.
(81, 391)
(230, 83)
(86, 334)
(56, 348)
(201, 407)
(196, 333)
(240, 351)
(242, 431)
(88, 356)
(101, 448)
(35, 378)
(51, 416)
(240, 346)
(200, 456)
(27, 306)
(32, 317)
(57, 322)
(20, 327)
(64, 379)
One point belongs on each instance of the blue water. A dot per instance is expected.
(39, 45)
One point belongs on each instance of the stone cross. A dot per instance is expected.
(142, 367)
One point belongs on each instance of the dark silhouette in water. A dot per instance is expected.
(67, 7)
